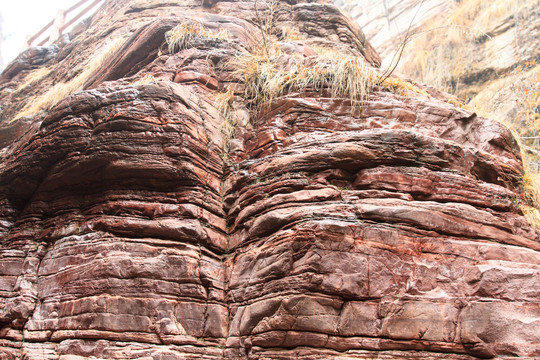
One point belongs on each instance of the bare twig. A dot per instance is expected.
(386, 73)
(266, 23)
(411, 37)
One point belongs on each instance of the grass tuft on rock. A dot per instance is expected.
(531, 198)
(224, 102)
(268, 77)
(185, 35)
(34, 76)
(62, 90)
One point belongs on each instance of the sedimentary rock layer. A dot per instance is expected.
(133, 227)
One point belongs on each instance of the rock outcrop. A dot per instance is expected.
(134, 227)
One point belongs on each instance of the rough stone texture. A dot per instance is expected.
(132, 228)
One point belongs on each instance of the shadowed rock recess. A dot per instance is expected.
(133, 226)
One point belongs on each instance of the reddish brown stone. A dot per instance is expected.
(132, 228)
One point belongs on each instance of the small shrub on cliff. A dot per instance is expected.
(184, 35)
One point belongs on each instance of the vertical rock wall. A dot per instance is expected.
(134, 228)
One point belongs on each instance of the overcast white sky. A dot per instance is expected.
(21, 18)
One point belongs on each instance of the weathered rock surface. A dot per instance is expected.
(133, 228)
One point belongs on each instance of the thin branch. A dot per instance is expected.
(412, 37)
(401, 47)
(266, 25)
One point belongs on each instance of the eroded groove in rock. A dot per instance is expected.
(134, 226)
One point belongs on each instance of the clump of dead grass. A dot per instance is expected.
(343, 75)
(290, 34)
(531, 197)
(34, 76)
(224, 102)
(399, 85)
(184, 36)
(532, 214)
(62, 90)
(145, 80)
(265, 80)
(528, 198)
(352, 76)
(262, 79)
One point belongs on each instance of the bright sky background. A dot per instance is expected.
(21, 18)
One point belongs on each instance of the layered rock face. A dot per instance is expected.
(134, 227)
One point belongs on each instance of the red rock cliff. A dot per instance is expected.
(135, 227)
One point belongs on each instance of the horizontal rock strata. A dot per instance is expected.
(133, 227)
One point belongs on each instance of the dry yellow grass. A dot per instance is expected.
(145, 80)
(443, 52)
(532, 214)
(364, 72)
(261, 78)
(264, 80)
(290, 34)
(529, 197)
(441, 63)
(62, 90)
(483, 14)
(184, 35)
(398, 84)
(352, 76)
(531, 194)
(531, 186)
(343, 75)
(224, 102)
(34, 76)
